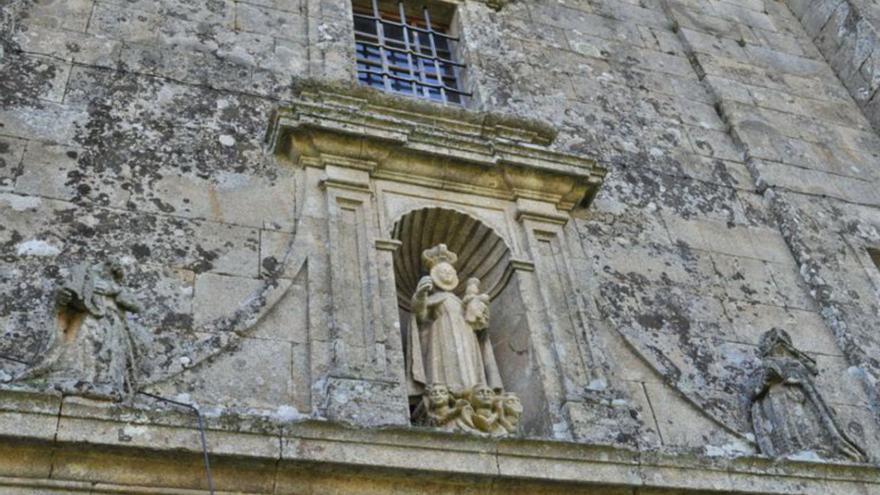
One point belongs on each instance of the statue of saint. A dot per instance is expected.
(91, 352)
(789, 415)
(448, 349)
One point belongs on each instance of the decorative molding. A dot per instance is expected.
(388, 244)
(102, 437)
(428, 144)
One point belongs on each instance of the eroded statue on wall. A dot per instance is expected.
(90, 353)
(789, 415)
(451, 366)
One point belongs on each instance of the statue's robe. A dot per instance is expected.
(790, 417)
(443, 348)
(91, 353)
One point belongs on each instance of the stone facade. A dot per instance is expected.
(644, 188)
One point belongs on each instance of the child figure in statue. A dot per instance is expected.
(485, 415)
(476, 305)
(509, 410)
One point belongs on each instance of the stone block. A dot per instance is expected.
(747, 279)
(808, 330)
(714, 144)
(123, 24)
(231, 197)
(365, 403)
(182, 471)
(734, 240)
(29, 415)
(262, 367)
(769, 245)
(839, 381)
(24, 461)
(50, 122)
(68, 15)
(288, 5)
(451, 454)
(216, 294)
(288, 319)
(681, 424)
(791, 285)
(11, 152)
(268, 21)
(32, 78)
(47, 169)
(69, 46)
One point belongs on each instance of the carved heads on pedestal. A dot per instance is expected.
(479, 410)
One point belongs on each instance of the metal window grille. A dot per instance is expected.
(406, 54)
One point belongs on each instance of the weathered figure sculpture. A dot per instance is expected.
(450, 362)
(789, 415)
(91, 352)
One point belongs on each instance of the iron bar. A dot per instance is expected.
(433, 45)
(413, 27)
(421, 60)
(409, 56)
(380, 32)
(416, 81)
(403, 50)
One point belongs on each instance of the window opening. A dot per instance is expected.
(875, 256)
(411, 53)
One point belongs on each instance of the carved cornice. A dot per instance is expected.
(124, 447)
(437, 146)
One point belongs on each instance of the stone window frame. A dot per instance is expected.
(407, 64)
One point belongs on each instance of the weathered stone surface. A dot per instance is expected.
(742, 193)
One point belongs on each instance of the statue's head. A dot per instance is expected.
(512, 407)
(117, 269)
(438, 394)
(512, 404)
(472, 286)
(482, 396)
(439, 260)
(776, 342)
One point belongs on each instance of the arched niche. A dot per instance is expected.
(482, 253)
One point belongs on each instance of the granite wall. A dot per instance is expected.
(743, 190)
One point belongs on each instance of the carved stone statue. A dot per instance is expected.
(789, 415)
(450, 361)
(442, 410)
(91, 352)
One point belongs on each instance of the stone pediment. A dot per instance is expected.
(399, 139)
